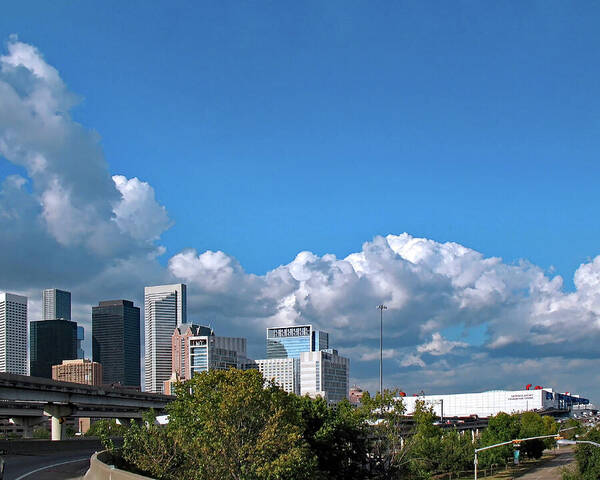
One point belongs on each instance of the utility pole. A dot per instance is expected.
(381, 308)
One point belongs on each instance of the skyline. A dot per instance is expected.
(274, 212)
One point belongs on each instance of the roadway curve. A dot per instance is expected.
(63, 466)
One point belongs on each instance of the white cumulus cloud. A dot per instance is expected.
(68, 222)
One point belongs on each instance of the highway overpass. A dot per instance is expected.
(29, 400)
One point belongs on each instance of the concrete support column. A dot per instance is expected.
(58, 414)
(27, 423)
(57, 430)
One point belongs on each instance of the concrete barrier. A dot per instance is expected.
(102, 471)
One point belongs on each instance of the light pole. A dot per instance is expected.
(575, 442)
(381, 308)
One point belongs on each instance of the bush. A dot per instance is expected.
(108, 428)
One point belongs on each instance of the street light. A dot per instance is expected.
(574, 442)
(381, 308)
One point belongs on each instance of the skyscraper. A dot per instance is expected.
(116, 341)
(196, 349)
(324, 374)
(80, 339)
(165, 308)
(13, 334)
(56, 304)
(289, 342)
(51, 342)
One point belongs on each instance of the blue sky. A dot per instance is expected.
(268, 129)
(271, 128)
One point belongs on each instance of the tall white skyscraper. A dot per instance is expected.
(56, 304)
(13, 334)
(165, 309)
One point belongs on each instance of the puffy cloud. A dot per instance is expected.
(440, 346)
(68, 222)
(69, 206)
(519, 311)
(138, 213)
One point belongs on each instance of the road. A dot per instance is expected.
(67, 466)
(551, 470)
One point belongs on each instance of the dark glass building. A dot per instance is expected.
(51, 342)
(116, 341)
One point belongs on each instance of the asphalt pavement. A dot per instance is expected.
(67, 466)
(552, 470)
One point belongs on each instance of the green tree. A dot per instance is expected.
(149, 448)
(337, 437)
(572, 428)
(425, 443)
(106, 427)
(433, 449)
(588, 456)
(532, 425)
(550, 428)
(457, 452)
(501, 428)
(225, 425)
(384, 414)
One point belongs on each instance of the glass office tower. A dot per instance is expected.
(51, 342)
(289, 342)
(116, 341)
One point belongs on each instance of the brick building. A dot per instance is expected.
(78, 371)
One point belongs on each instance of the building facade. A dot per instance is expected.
(289, 342)
(486, 404)
(78, 371)
(325, 374)
(80, 340)
(356, 395)
(165, 309)
(180, 348)
(211, 352)
(13, 334)
(196, 349)
(56, 304)
(51, 342)
(285, 372)
(116, 341)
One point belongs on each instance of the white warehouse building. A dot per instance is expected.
(486, 404)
